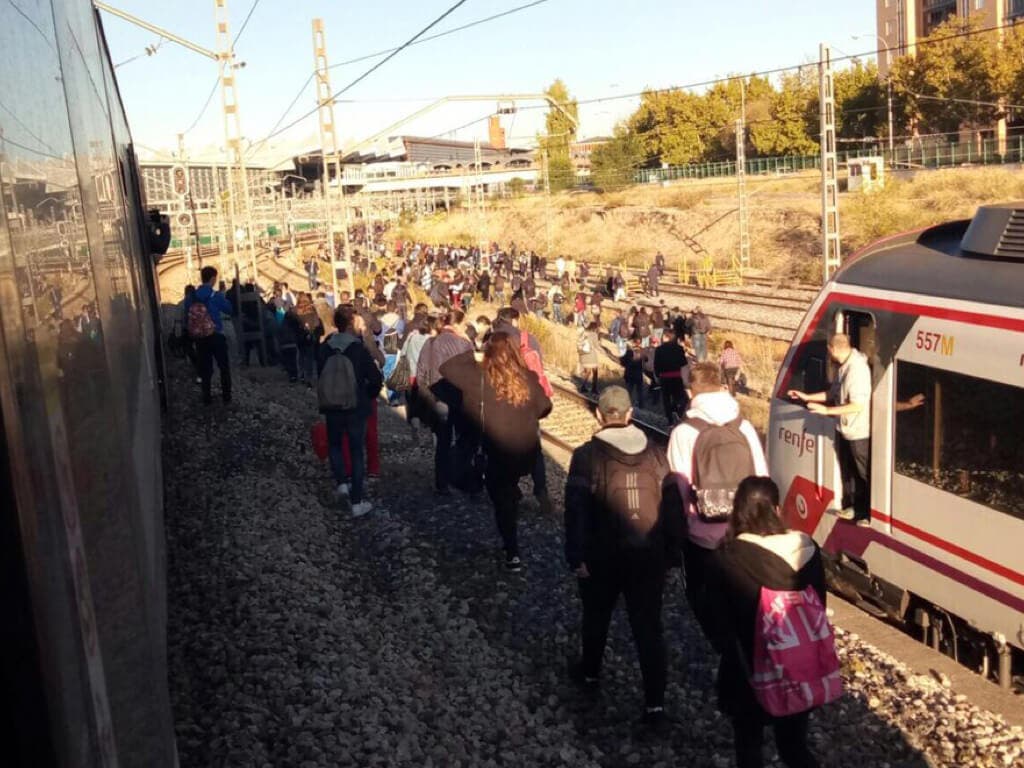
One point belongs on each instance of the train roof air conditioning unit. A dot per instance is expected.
(996, 232)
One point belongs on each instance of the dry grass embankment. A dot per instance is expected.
(632, 224)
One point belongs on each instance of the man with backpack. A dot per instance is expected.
(711, 452)
(349, 381)
(203, 310)
(621, 536)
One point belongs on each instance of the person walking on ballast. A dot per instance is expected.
(711, 451)
(203, 310)
(621, 536)
(505, 401)
(761, 562)
(348, 383)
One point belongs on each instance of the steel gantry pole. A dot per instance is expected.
(329, 149)
(238, 176)
(547, 201)
(829, 166)
(741, 191)
(741, 180)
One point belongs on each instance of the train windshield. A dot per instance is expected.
(964, 438)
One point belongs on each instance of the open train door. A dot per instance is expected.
(802, 444)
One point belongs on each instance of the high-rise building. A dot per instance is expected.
(900, 23)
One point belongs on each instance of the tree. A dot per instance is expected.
(560, 125)
(860, 102)
(786, 131)
(955, 79)
(613, 165)
(668, 127)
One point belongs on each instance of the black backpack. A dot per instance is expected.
(721, 460)
(628, 488)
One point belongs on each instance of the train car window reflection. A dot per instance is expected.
(961, 434)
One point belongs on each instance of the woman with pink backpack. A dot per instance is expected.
(765, 604)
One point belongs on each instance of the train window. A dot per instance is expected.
(810, 367)
(961, 434)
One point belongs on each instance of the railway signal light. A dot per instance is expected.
(180, 180)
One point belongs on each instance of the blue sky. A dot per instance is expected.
(598, 47)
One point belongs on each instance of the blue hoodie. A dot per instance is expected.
(215, 303)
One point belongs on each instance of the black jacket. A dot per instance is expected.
(633, 364)
(511, 432)
(669, 357)
(592, 530)
(736, 572)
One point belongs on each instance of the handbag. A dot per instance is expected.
(398, 379)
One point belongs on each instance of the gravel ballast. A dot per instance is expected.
(301, 637)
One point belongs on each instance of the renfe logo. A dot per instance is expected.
(800, 440)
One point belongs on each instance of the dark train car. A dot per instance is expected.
(939, 315)
(81, 511)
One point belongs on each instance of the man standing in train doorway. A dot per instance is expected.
(849, 398)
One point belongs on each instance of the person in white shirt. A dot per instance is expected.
(849, 398)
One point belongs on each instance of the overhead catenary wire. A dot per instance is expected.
(439, 35)
(775, 70)
(364, 57)
(364, 75)
(687, 86)
(149, 51)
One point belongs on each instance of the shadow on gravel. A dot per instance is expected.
(298, 636)
(535, 617)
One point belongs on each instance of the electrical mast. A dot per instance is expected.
(239, 205)
(741, 183)
(329, 150)
(829, 166)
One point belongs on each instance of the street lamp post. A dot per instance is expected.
(888, 84)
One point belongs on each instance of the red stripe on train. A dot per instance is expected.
(805, 504)
(901, 308)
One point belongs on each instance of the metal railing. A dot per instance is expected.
(922, 155)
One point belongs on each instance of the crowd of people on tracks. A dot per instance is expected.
(633, 510)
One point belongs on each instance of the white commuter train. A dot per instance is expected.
(939, 313)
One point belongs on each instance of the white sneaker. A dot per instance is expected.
(343, 489)
(362, 508)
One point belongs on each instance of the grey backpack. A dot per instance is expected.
(337, 388)
(721, 461)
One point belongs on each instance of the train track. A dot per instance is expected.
(738, 294)
(571, 422)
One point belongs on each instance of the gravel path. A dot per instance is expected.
(301, 637)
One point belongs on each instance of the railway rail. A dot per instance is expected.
(571, 422)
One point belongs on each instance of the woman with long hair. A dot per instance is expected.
(757, 551)
(505, 401)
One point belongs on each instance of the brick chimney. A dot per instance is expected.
(496, 132)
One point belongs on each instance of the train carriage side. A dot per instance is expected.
(940, 316)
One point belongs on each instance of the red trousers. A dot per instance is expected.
(372, 446)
